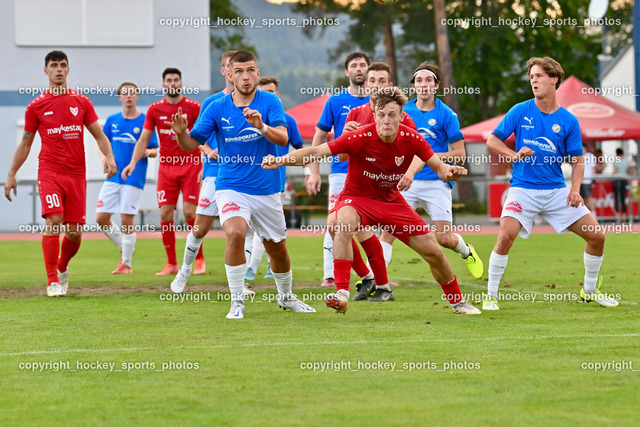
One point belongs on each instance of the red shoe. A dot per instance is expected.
(200, 267)
(168, 270)
(328, 283)
(122, 269)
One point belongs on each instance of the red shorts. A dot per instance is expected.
(395, 217)
(174, 179)
(62, 194)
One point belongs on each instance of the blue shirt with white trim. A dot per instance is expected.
(241, 147)
(123, 134)
(552, 137)
(210, 166)
(439, 126)
(295, 141)
(334, 115)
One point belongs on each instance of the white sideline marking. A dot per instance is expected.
(282, 344)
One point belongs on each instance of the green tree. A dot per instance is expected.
(229, 37)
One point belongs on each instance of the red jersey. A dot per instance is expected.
(60, 121)
(364, 115)
(161, 111)
(375, 167)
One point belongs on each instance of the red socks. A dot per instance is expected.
(373, 249)
(200, 254)
(51, 251)
(68, 251)
(169, 241)
(359, 266)
(452, 291)
(342, 273)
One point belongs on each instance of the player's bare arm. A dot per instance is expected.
(180, 126)
(297, 158)
(151, 152)
(446, 172)
(277, 135)
(574, 199)
(208, 151)
(350, 126)
(138, 152)
(109, 163)
(455, 155)
(498, 146)
(406, 181)
(313, 181)
(19, 157)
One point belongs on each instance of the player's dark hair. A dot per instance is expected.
(388, 95)
(268, 80)
(549, 66)
(379, 66)
(426, 65)
(228, 54)
(619, 152)
(242, 56)
(355, 55)
(123, 84)
(171, 71)
(55, 55)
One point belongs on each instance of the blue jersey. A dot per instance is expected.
(210, 166)
(334, 115)
(123, 134)
(552, 137)
(295, 141)
(440, 127)
(241, 147)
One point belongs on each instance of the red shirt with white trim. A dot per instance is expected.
(60, 121)
(375, 167)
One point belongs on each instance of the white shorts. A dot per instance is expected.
(119, 198)
(207, 203)
(524, 204)
(263, 213)
(336, 185)
(434, 196)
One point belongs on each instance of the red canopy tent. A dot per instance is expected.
(307, 115)
(599, 117)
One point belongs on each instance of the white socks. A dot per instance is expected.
(461, 247)
(328, 256)
(387, 250)
(128, 245)
(256, 253)
(235, 277)
(592, 266)
(283, 283)
(497, 265)
(190, 251)
(112, 231)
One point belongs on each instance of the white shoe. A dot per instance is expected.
(246, 291)
(63, 280)
(601, 298)
(464, 307)
(292, 303)
(237, 310)
(55, 290)
(491, 303)
(180, 282)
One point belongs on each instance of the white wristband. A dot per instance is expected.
(264, 129)
(306, 170)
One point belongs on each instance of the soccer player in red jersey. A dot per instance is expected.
(178, 170)
(59, 115)
(381, 164)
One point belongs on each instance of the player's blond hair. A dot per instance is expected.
(549, 66)
(387, 95)
(126, 84)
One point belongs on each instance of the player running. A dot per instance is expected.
(178, 171)
(439, 125)
(249, 124)
(59, 115)
(117, 195)
(546, 133)
(381, 165)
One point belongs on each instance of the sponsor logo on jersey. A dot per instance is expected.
(63, 128)
(426, 133)
(514, 206)
(382, 176)
(530, 125)
(48, 113)
(370, 159)
(543, 143)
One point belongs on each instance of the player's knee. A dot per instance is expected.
(505, 241)
(446, 240)
(596, 239)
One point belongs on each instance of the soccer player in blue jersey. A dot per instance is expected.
(248, 124)
(439, 125)
(333, 117)
(546, 134)
(270, 84)
(207, 209)
(117, 195)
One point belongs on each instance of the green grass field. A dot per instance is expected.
(531, 363)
